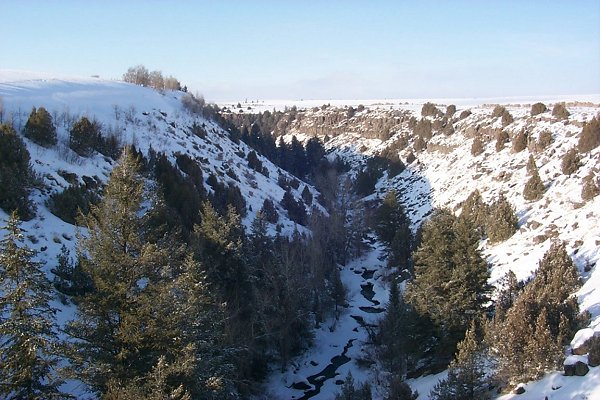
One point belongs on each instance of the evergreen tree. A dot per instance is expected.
(398, 389)
(84, 137)
(570, 162)
(15, 173)
(144, 295)
(450, 284)
(269, 212)
(466, 374)
(393, 229)
(527, 340)
(560, 111)
(502, 220)
(39, 128)
(349, 391)
(534, 188)
(476, 210)
(477, 147)
(28, 349)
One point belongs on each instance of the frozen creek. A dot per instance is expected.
(339, 346)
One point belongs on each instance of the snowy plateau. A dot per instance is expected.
(442, 175)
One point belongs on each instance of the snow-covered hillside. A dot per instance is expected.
(136, 115)
(445, 173)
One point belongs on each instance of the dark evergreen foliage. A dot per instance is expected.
(349, 391)
(39, 128)
(502, 220)
(393, 229)
(15, 174)
(144, 295)
(450, 285)
(423, 129)
(430, 110)
(519, 141)
(295, 208)
(71, 202)
(466, 374)
(527, 339)
(501, 139)
(29, 346)
(269, 211)
(544, 140)
(84, 137)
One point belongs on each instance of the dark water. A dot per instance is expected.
(329, 372)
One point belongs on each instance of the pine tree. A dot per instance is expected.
(476, 210)
(84, 137)
(39, 128)
(466, 374)
(393, 229)
(450, 284)
(142, 299)
(502, 220)
(28, 350)
(531, 166)
(15, 173)
(543, 347)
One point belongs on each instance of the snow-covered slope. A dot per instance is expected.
(136, 115)
(445, 173)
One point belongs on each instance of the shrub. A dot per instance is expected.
(430, 110)
(531, 167)
(423, 129)
(502, 220)
(477, 147)
(84, 137)
(39, 128)
(534, 188)
(501, 139)
(464, 114)
(570, 162)
(507, 118)
(538, 108)
(15, 173)
(419, 144)
(589, 188)
(67, 204)
(589, 138)
(450, 110)
(295, 209)
(519, 142)
(269, 212)
(498, 111)
(410, 157)
(560, 111)
(544, 140)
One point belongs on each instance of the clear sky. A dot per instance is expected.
(310, 49)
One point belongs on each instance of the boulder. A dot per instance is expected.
(576, 366)
(578, 344)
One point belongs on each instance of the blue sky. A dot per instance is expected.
(230, 50)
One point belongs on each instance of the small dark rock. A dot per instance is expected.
(519, 390)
